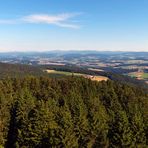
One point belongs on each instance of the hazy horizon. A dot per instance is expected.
(47, 25)
(36, 51)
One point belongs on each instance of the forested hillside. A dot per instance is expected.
(115, 76)
(71, 112)
(19, 70)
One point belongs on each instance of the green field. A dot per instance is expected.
(139, 75)
(63, 73)
(145, 76)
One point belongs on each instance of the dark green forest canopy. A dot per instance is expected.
(71, 112)
(19, 70)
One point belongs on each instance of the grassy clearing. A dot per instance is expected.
(63, 73)
(94, 69)
(99, 78)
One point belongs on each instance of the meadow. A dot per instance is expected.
(64, 73)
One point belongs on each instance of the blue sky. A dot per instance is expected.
(41, 25)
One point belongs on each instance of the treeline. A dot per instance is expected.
(71, 112)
